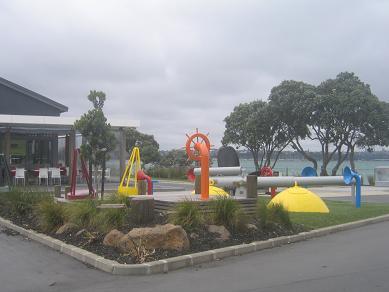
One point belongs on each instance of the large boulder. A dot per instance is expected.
(222, 233)
(168, 236)
(66, 228)
(112, 238)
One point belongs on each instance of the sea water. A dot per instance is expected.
(294, 166)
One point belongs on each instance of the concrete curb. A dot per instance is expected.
(170, 264)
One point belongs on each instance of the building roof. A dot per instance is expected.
(62, 108)
(23, 121)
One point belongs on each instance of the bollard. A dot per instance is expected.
(142, 209)
(198, 185)
(252, 186)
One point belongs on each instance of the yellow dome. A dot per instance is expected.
(298, 199)
(215, 191)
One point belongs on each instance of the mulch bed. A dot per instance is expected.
(201, 240)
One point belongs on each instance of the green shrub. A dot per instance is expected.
(275, 213)
(81, 213)
(116, 199)
(21, 202)
(50, 215)
(188, 215)
(176, 172)
(226, 211)
(108, 219)
(240, 221)
(261, 213)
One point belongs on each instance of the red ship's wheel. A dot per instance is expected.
(266, 171)
(192, 141)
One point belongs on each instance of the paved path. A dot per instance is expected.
(355, 260)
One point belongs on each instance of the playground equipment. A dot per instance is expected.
(298, 199)
(268, 171)
(5, 178)
(227, 157)
(80, 194)
(264, 182)
(308, 171)
(197, 148)
(349, 176)
(129, 183)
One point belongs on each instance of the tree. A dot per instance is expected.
(175, 158)
(356, 116)
(148, 145)
(97, 133)
(292, 105)
(340, 114)
(253, 126)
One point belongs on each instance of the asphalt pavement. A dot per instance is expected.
(354, 260)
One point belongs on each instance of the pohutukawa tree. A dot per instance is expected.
(292, 104)
(98, 135)
(339, 114)
(252, 126)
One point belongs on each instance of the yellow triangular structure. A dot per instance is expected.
(298, 199)
(129, 183)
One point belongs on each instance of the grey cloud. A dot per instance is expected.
(178, 65)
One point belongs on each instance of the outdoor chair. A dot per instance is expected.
(107, 174)
(43, 174)
(55, 175)
(96, 172)
(20, 175)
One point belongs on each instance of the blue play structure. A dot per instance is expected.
(308, 171)
(348, 177)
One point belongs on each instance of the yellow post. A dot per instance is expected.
(129, 183)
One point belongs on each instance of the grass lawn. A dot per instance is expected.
(340, 212)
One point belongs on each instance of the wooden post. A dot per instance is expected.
(252, 186)
(142, 209)
(142, 187)
(197, 184)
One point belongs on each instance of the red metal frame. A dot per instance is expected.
(72, 195)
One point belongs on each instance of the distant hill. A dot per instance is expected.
(294, 155)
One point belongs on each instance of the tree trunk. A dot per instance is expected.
(341, 159)
(296, 145)
(255, 157)
(276, 159)
(96, 179)
(352, 162)
(90, 166)
(103, 178)
(324, 155)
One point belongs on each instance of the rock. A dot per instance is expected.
(168, 237)
(194, 235)
(221, 231)
(112, 238)
(251, 227)
(66, 228)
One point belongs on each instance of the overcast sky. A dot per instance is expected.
(178, 65)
